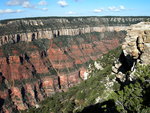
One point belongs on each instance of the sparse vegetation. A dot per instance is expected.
(90, 95)
(134, 98)
(82, 95)
(22, 47)
(131, 98)
(19, 26)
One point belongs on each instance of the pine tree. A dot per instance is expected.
(134, 98)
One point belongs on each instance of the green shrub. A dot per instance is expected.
(135, 96)
(79, 96)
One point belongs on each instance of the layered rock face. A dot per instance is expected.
(39, 58)
(136, 49)
(12, 31)
(49, 34)
(29, 72)
(137, 42)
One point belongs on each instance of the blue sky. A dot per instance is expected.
(37, 8)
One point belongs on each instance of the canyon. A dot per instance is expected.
(42, 56)
(117, 81)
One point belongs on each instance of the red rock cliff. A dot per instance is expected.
(29, 72)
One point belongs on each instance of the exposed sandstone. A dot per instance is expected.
(48, 85)
(49, 34)
(30, 96)
(30, 74)
(138, 32)
(18, 70)
(17, 98)
(136, 49)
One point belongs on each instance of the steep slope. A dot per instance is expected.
(118, 81)
(133, 71)
(39, 57)
(34, 70)
(93, 90)
(135, 50)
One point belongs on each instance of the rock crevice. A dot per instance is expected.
(136, 49)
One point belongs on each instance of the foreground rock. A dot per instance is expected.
(136, 49)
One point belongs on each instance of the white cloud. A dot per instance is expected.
(71, 13)
(97, 10)
(114, 8)
(62, 3)
(27, 4)
(23, 3)
(122, 7)
(16, 2)
(42, 2)
(10, 11)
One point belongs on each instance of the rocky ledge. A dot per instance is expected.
(136, 49)
(28, 29)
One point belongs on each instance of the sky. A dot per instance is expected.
(38, 8)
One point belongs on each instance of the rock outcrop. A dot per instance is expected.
(49, 34)
(136, 49)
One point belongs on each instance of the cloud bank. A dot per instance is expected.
(111, 8)
(10, 11)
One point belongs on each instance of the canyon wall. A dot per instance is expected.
(28, 29)
(49, 34)
(39, 57)
(136, 50)
(28, 73)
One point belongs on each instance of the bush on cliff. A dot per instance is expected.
(134, 98)
(23, 47)
(84, 94)
(41, 44)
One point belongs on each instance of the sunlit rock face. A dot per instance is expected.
(136, 49)
(35, 63)
(137, 42)
(12, 31)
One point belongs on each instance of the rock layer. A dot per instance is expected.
(13, 31)
(39, 59)
(30, 76)
(136, 49)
